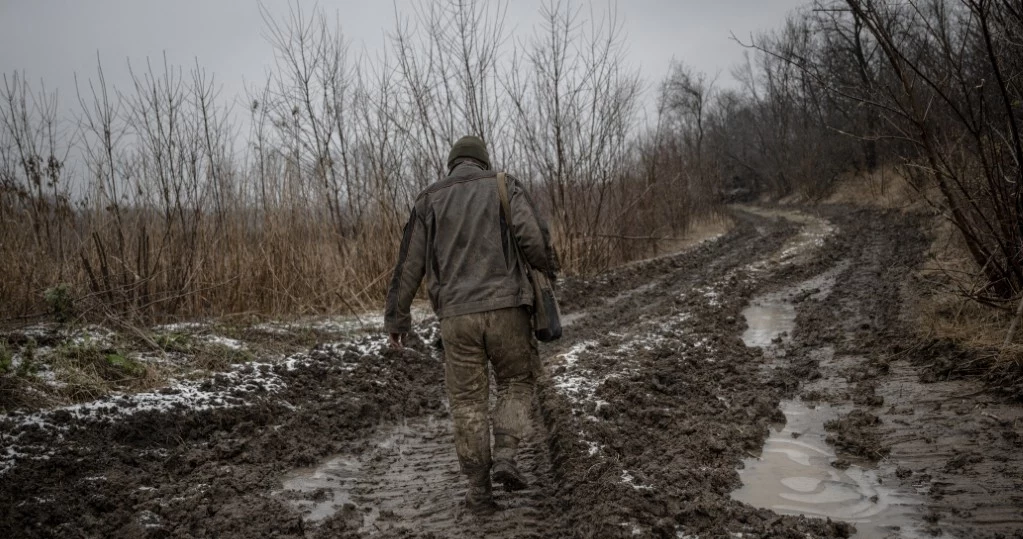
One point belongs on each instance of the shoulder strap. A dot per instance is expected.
(502, 191)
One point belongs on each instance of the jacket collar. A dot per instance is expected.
(465, 165)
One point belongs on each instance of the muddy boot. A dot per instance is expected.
(508, 475)
(479, 498)
(504, 470)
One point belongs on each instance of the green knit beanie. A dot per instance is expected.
(470, 146)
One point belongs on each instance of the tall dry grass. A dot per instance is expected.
(160, 201)
(940, 302)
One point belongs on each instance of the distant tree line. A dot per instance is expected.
(930, 88)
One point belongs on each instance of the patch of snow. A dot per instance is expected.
(10, 456)
(635, 529)
(293, 362)
(340, 325)
(181, 327)
(628, 479)
(373, 346)
(571, 357)
(710, 294)
(92, 335)
(225, 390)
(149, 520)
(580, 386)
(226, 342)
(49, 377)
(40, 368)
(369, 345)
(39, 330)
(272, 329)
(159, 358)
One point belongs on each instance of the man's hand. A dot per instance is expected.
(398, 340)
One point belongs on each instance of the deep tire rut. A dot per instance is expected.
(646, 409)
(410, 483)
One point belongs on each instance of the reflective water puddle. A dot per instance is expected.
(796, 472)
(322, 491)
(399, 475)
(794, 475)
(768, 318)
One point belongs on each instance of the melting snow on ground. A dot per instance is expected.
(228, 391)
(240, 386)
(579, 384)
(340, 325)
(181, 327)
(628, 479)
(232, 344)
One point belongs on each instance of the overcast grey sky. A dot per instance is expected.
(51, 40)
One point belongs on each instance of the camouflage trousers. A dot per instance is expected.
(503, 339)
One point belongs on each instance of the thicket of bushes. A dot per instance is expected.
(932, 87)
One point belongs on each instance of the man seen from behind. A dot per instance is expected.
(459, 239)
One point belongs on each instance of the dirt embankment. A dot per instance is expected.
(648, 406)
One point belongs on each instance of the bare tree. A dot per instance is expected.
(574, 110)
(950, 97)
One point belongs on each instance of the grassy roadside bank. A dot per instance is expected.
(964, 338)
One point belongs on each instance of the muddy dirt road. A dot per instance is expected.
(730, 389)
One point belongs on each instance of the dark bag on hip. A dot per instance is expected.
(546, 313)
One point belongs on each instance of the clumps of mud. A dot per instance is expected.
(186, 471)
(651, 449)
(856, 434)
(962, 461)
(49, 365)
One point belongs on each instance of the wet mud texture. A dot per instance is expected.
(957, 442)
(209, 473)
(678, 422)
(676, 398)
(645, 411)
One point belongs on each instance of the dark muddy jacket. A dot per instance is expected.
(458, 238)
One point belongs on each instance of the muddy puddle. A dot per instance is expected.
(404, 478)
(321, 491)
(798, 472)
(404, 472)
(769, 321)
(795, 475)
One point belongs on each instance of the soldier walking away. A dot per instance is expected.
(459, 239)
